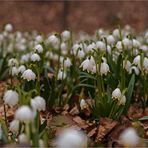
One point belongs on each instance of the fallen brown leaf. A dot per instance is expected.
(74, 110)
(81, 123)
(92, 132)
(105, 126)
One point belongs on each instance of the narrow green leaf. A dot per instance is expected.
(129, 93)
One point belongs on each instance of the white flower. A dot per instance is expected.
(67, 62)
(127, 43)
(38, 103)
(25, 58)
(108, 49)
(61, 75)
(83, 104)
(21, 69)
(116, 94)
(90, 47)
(63, 46)
(66, 35)
(136, 43)
(14, 71)
(8, 27)
(11, 97)
(38, 48)
(101, 45)
(24, 114)
(119, 45)
(144, 48)
(12, 62)
(41, 143)
(129, 137)
(22, 138)
(122, 100)
(135, 69)
(127, 65)
(28, 75)
(104, 68)
(39, 38)
(110, 39)
(116, 33)
(35, 57)
(137, 61)
(14, 126)
(81, 54)
(145, 65)
(53, 40)
(75, 47)
(88, 64)
(71, 138)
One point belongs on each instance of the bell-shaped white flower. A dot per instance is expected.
(127, 65)
(110, 40)
(90, 47)
(39, 38)
(116, 94)
(83, 104)
(38, 48)
(21, 69)
(122, 100)
(81, 54)
(35, 57)
(134, 69)
(67, 63)
(88, 64)
(25, 58)
(53, 40)
(24, 114)
(116, 33)
(12, 62)
(11, 97)
(136, 43)
(8, 27)
(127, 43)
(104, 68)
(144, 48)
(101, 45)
(109, 49)
(38, 103)
(14, 71)
(29, 75)
(129, 137)
(119, 46)
(145, 65)
(61, 75)
(66, 35)
(22, 138)
(137, 61)
(71, 138)
(63, 46)
(14, 126)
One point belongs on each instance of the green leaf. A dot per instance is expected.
(145, 118)
(43, 126)
(129, 93)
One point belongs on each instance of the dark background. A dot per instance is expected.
(75, 15)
